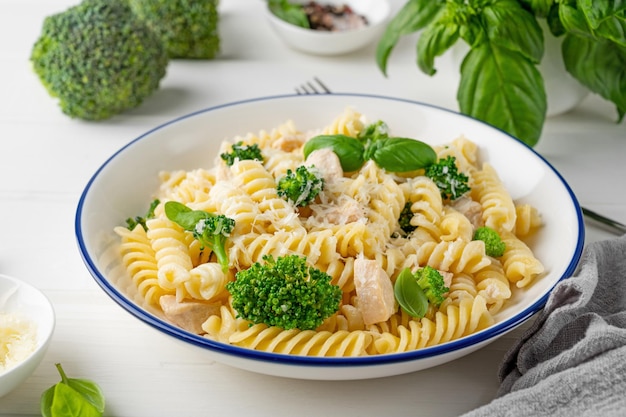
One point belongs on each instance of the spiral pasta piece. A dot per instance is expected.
(454, 322)
(498, 207)
(139, 260)
(341, 343)
(348, 123)
(520, 264)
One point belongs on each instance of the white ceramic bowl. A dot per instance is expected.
(334, 43)
(26, 303)
(123, 186)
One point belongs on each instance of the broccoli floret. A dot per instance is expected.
(131, 223)
(431, 282)
(240, 152)
(405, 218)
(494, 246)
(98, 59)
(300, 187)
(452, 183)
(187, 28)
(211, 230)
(284, 292)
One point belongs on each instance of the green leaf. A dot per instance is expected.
(613, 29)
(597, 11)
(410, 295)
(504, 89)
(539, 8)
(507, 24)
(413, 16)
(72, 397)
(401, 154)
(67, 402)
(290, 13)
(183, 215)
(434, 41)
(599, 65)
(349, 150)
(574, 20)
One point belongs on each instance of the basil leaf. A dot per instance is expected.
(349, 150)
(613, 29)
(183, 215)
(410, 295)
(67, 402)
(401, 154)
(507, 24)
(72, 397)
(574, 21)
(599, 65)
(597, 11)
(504, 89)
(539, 8)
(290, 13)
(554, 22)
(413, 16)
(434, 41)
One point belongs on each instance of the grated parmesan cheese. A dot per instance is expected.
(18, 340)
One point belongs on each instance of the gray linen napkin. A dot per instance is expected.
(572, 360)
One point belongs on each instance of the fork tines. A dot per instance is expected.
(310, 88)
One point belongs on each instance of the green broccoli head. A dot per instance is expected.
(241, 152)
(431, 282)
(284, 292)
(188, 28)
(494, 246)
(98, 59)
(452, 183)
(300, 187)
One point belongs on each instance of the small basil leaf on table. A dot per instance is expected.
(434, 41)
(349, 150)
(401, 154)
(410, 295)
(72, 397)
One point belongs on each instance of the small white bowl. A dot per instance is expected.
(26, 304)
(335, 43)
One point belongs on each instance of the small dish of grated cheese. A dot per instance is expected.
(18, 340)
(27, 323)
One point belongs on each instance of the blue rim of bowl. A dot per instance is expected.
(321, 362)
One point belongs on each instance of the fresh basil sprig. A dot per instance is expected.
(390, 153)
(500, 82)
(72, 397)
(410, 295)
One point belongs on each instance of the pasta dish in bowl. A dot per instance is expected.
(337, 236)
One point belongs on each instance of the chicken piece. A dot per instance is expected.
(327, 162)
(189, 315)
(470, 209)
(374, 290)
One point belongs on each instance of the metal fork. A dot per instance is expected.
(606, 223)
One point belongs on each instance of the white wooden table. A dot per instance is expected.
(47, 158)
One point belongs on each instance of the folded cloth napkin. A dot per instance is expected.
(572, 360)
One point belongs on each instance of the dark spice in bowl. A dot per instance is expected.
(333, 18)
